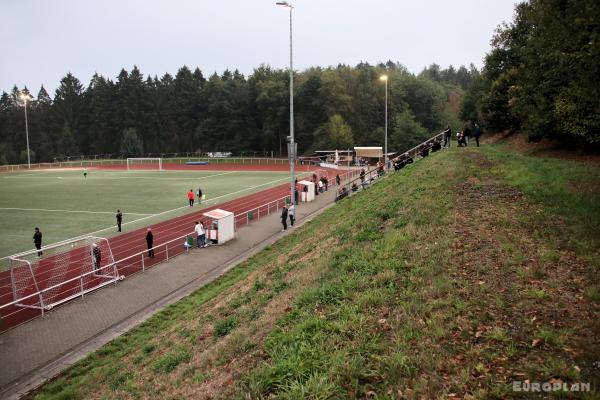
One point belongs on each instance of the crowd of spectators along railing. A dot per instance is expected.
(370, 176)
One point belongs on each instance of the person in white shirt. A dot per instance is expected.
(292, 213)
(201, 234)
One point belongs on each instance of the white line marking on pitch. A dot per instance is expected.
(66, 211)
(164, 212)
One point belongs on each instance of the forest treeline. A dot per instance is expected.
(335, 107)
(542, 75)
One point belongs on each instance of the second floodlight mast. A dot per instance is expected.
(292, 146)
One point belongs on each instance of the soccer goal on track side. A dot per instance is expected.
(144, 164)
(43, 279)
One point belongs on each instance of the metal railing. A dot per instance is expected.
(372, 175)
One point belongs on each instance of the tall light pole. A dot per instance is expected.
(385, 157)
(292, 144)
(24, 98)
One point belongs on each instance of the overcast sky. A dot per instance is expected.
(42, 40)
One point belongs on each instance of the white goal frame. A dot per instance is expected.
(155, 159)
(29, 291)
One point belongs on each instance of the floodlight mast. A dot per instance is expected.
(385, 155)
(24, 96)
(291, 145)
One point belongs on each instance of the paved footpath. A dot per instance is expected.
(42, 348)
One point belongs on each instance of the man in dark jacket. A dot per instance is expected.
(97, 255)
(119, 219)
(37, 240)
(477, 133)
(284, 216)
(149, 242)
(447, 136)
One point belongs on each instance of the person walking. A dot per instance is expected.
(337, 179)
(292, 214)
(150, 242)
(199, 195)
(119, 217)
(200, 234)
(37, 240)
(191, 197)
(447, 136)
(284, 216)
(97, 255)
(467, 134)
(477, 133)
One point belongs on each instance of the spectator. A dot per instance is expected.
(37, 240)
(354, 187)
(119, 219)
(150, 242)
(477, 133)
(97, 255)
(190, 196)
(337, 179)
(284, 216)
(460, 136)
(467, 133)
(320, 184)
(200, 234)
(292, 214)
(447, 136)
(362, 174)
(199, 195)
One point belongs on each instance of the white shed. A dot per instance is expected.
(221, 226)
(307, 190)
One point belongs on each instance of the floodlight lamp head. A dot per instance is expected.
(383, 77)
(284, 4)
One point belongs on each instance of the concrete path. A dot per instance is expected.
(42, 348)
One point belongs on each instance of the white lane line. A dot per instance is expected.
(66, 211)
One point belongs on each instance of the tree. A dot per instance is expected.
(131, 145)
(335, 134)
(406, 131)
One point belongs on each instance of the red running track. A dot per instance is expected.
(132, 243)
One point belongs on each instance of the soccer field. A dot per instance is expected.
(63, 204)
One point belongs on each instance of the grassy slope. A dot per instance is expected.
(143, 192)
(468, 270)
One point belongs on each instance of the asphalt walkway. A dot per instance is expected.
(42, 348)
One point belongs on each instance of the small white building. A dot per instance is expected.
(307, 190)
(221, 226)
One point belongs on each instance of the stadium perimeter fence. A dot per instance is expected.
(123, 163)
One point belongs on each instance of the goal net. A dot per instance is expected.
(144, 164)
(61, 272)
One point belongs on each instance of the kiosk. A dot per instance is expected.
(307, 190)
(220, 227)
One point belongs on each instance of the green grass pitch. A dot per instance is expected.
(63, 204)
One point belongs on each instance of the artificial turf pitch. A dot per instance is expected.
(64, 204)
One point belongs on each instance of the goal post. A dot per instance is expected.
(62, 272)
(144, 164)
